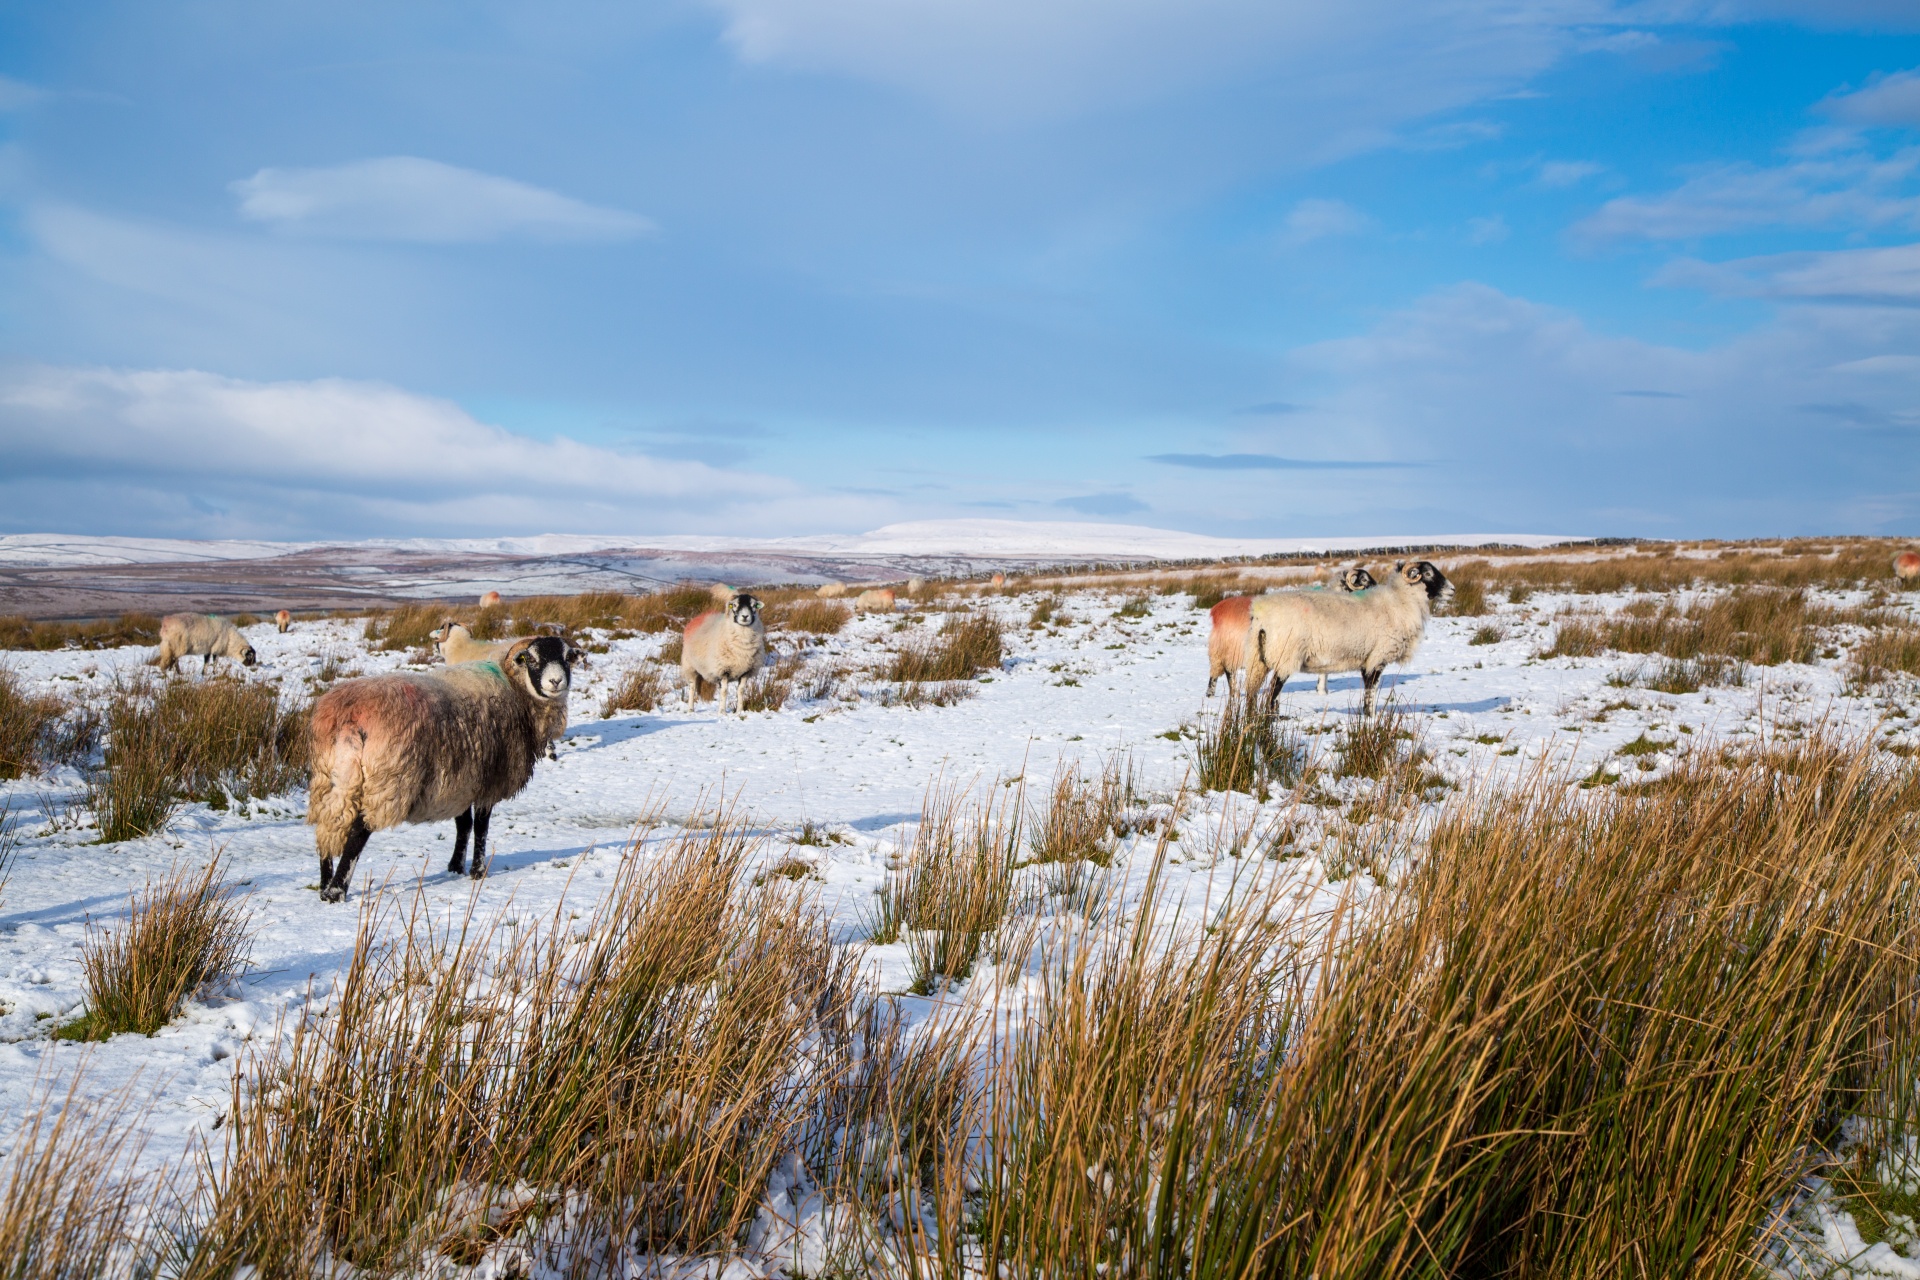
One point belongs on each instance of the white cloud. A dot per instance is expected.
(334, 456)
(406, 198)
(17, 95)
(1856, 277)
(1489, 230)
(1534, 419)
(1316, 219)
(1891, 101)
(1386, 60)
(1836, 185)
(1566, 173)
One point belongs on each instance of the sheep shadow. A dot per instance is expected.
(615, 732)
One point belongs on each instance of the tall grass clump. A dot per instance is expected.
(815, 617)
(954, 887)
(1886, 651)
(127, 629)
(29, 724)
(175, 740)
(1764, 626)
(181, 935)
(968, 644)
(596, 1091)
(1246, 750)
(640, 689)
(1083, 815)
(1581, 1038)
(71, 1206)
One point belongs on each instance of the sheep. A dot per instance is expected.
(489, 598)
(723, 647)
(428, 746)
(1906, 567)
(831, 590)
(916, 585)
(456, 644)
(184, 634)
(1226, 643)
(1327, 631)
(997, 580)
(721, 593)
(878, 600)
(283, 620)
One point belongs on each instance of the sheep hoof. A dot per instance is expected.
(333, 893)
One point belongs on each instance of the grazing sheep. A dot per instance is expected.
(997, 580)
(490, 598)
(723, 647)
(721, 593)
(183, 635)
(1227, 642)
(1324, 632)
(1906, 567)
(429, 746)
(283, 620)
(831, 590)
(878, 600)
(916, 585)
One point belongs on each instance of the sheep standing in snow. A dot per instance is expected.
(1227, 642)
(182, 635)
(429, 746)
(878, 600)
(1328, 632)
(831, 590)
(916, 585)
(723, 647)
(283, 620)
(1906, 567)
(456, 644)
(489, 598)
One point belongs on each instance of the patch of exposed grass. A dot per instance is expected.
(1885, 651)
(920, 693)
(180, 936)
(1759, 625)
(1137, 607)
(1083, 815)
(1486, 635)
(954, 886)
(71, 1204)
(815, 617)
(1244, 749)
(1469, 593)
(127, 629)
(29, 726)
(640, 689)
(967, 645)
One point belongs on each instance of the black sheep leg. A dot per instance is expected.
(336, 889)
(462, 828)
(1372, 681)
(482, 815)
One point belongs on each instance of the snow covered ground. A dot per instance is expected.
(1097, 685)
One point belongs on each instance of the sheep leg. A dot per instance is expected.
(335, 890)
(462, 828)
(1372, 680)
(482, 815)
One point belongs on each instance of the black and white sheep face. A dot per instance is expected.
(1426, 575)
(745, 610)
(549, 665)
(249, 658)
(1355, 579)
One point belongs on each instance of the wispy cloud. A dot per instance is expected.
(1887, 102)
(1852, 187)
(1317, 219)
(1269, 462)
(1103, 504)
(16, 95)
(1488, 230)
(1857, 277)
(407, 198)
(1566, 173)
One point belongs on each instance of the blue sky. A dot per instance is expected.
(785, 266)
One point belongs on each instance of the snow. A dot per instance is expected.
(1064, 540)
(1077, 692)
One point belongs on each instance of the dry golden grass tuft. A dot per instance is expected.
(815, 617)
(37, 730)
(1764, 626)
(180, 936)
(127, 629)
(968, 644)
(640, 689)
(1246, 749)
(71, 1206)
(1084, 815)
(954, 887)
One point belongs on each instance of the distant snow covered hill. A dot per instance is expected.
(1013, 539)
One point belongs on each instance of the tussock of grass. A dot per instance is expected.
(1137, 607)
(1469, 592)
(653, 1075)
(768, 690)
(1084, 815)
(1044, 612)
(1760, 625)
(1246, 750)
(37, 730)
(1885, 651)
(183, 739)
(127, 629)
(815, 617)
(954, 888)
(967, 645)
(70, 1203)
(1486, 635)
(921, 693)
(640, 689)
(179, 936)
